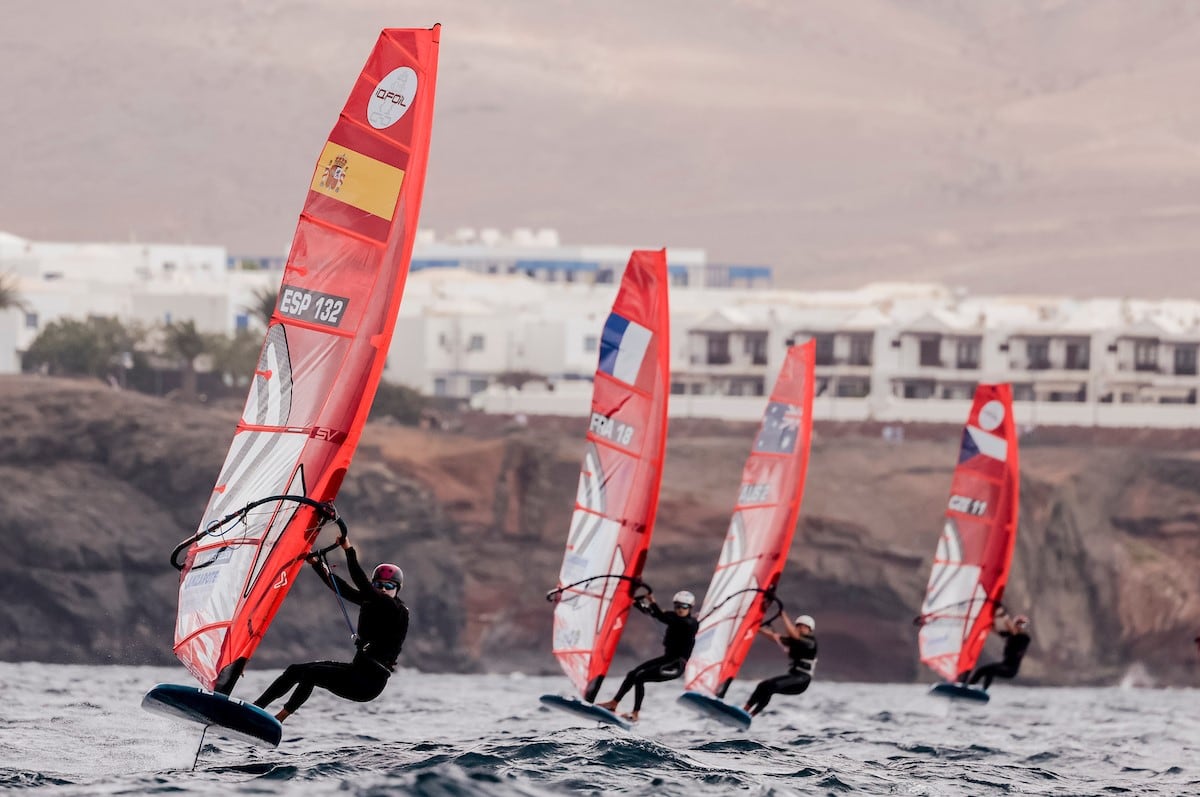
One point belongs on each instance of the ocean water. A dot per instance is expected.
(76, 730)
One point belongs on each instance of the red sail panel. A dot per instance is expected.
(619, 480)
(322, 358)
(760, 533)
(970, 567)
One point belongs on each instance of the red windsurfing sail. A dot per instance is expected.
(321, 361)
(619, 480)
(973, 555)
(760, 533)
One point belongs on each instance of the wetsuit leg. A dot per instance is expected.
(626, 685)
(663, 668)
(1000, 669)
(349, 681)
(793, 683)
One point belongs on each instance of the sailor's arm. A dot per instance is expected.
(653, 610)
(356, 572)
(334, 582)
(792, 631)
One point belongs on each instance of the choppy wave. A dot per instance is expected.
(79, 731)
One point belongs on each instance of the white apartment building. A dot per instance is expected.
(146, 283)
(483, 313)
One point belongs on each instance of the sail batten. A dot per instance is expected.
(974, 552)
(320, 364)
(760, 531)
(619, 478)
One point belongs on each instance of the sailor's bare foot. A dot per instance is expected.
(611, 705)
(631, 716)
(283, 714)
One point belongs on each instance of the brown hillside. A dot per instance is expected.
(100, 485)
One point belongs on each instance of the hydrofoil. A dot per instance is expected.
(225, 716)
(960, 692)
(573, 705)
(716, 709)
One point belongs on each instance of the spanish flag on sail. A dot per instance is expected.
(358, 180)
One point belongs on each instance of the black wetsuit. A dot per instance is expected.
(382, 626)
(1015, 646)
(678, 642)
(803, 653)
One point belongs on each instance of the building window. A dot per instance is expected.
(476, 385)
(860, 350)
(1078, 355)
(851, 387)
(918, 389)
(1185, 360)
(439, 386)
(591, 343)
(824, 349)
(1037, 354)
(31, 320)
(931, 354)
(756, 347)
(475, 343)
(1079, 395)
(718, 349)
(1145, 355)
(678, 388)
(746, 387)
(957, 390)
(966, 354)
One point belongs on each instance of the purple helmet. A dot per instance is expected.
(389, 572)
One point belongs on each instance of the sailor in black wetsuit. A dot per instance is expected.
(678, 642)
(1016, 642)
(382, 626)
(801, 646)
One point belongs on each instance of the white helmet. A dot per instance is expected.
(807, 620)
(684, 597)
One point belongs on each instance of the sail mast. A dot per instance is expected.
(321, 361)
(619, 480)
(760, 531)
(979, 532)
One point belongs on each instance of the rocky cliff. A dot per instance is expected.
(101, 484)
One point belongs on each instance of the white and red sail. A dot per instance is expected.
(970, 567)
(760, 533)
(620, 476)
(321, 362)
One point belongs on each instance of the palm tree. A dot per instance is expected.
(185, 343)
(9, 297)
(263, 306)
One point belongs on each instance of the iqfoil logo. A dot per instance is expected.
(392, 98)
